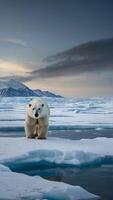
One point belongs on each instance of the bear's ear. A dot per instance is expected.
(29, 104)
(42, 105)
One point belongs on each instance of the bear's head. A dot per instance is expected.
(37, 108)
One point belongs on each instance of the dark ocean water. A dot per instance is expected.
(95, 179)
(63, 132)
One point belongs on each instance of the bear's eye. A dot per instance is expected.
(29, 104)
(33, 108)
(42, 105)
(39, 109)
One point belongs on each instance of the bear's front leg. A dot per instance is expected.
(36, 130)
(29, 131)
(42, 132)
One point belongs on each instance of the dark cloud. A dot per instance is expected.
(89, 57)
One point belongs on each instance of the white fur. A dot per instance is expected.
(37, 126)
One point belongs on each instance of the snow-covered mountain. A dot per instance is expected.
(12, 88)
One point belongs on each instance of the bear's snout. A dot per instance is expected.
(36, 114)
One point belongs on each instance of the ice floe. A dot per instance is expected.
(54, 150)
(17, 186)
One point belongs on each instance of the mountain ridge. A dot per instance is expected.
(47, 93)
(11, 88)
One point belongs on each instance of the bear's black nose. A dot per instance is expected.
(36, 114)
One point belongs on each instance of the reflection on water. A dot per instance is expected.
(97, 180)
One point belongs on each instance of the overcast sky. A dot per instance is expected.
(41, 44)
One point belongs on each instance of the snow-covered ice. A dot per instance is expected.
(22, 151)
(60, 151)
(17, 152)
(92, 112)
(55, 150)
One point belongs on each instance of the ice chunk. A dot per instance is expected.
(55, 150)
(4, 168)
(19, 186)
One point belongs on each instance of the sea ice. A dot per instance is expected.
(60, 151)
(78, 112)
(55, 150)
(17, 186)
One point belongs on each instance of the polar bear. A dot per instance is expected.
(37, 118)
